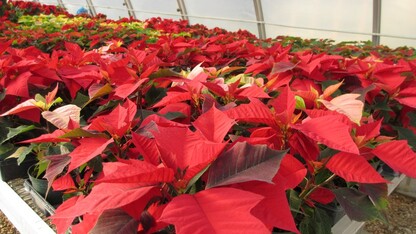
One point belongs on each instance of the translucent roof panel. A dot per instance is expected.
(339, 15)
(230, 15)
(146, 9)
(72, 6)
(114, 9)
(398, 18)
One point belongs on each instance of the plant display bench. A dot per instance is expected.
(14, 204)
(16, 198)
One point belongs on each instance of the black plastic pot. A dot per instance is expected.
(9, 169)
(40, 185)
(334, 211)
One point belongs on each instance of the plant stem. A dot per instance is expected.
(305, 193)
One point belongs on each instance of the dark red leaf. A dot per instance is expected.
(115, 221)
(56, 166)
(244, 162)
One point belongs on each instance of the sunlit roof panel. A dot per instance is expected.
(113, 9)
(337, 15)
(156, 8)
(231, 14)
(397, 18)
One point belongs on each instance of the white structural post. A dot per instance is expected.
(260, 19)
(376, 22)
(61, 3)
(91, 8)
(182, 9)
(130, 9)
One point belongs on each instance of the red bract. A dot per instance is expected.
(219, 210)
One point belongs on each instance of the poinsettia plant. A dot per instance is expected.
(209, 132)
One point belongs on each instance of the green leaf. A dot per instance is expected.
(317, 221)
(5, 148)
(295, 202)
(16, 131)
(196, 178)
(245, 162)
(79, 132)
(21, 153)
(42, 166)
(300, 103)
(357, 205)
(382, 105)
(153, 95)
(377, 194)
(109, 105)
(80, 99)
(2, 94)
(164, 73)
(412, 117)
(40, 98)
(96, 164)
(406, 134)
(174, 115)
(96, 91)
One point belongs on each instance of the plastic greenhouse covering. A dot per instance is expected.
(385, 22)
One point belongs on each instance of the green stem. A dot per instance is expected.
(305, 193)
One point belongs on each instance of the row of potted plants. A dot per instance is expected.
(101, 30)
(206, 131)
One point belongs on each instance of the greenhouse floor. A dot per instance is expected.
(401, 216)
(6, 227)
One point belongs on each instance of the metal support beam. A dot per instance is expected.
(130, 9)
(182, 10)
(61, 4)
(91, 8)
(376, 21)
(260, 19)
